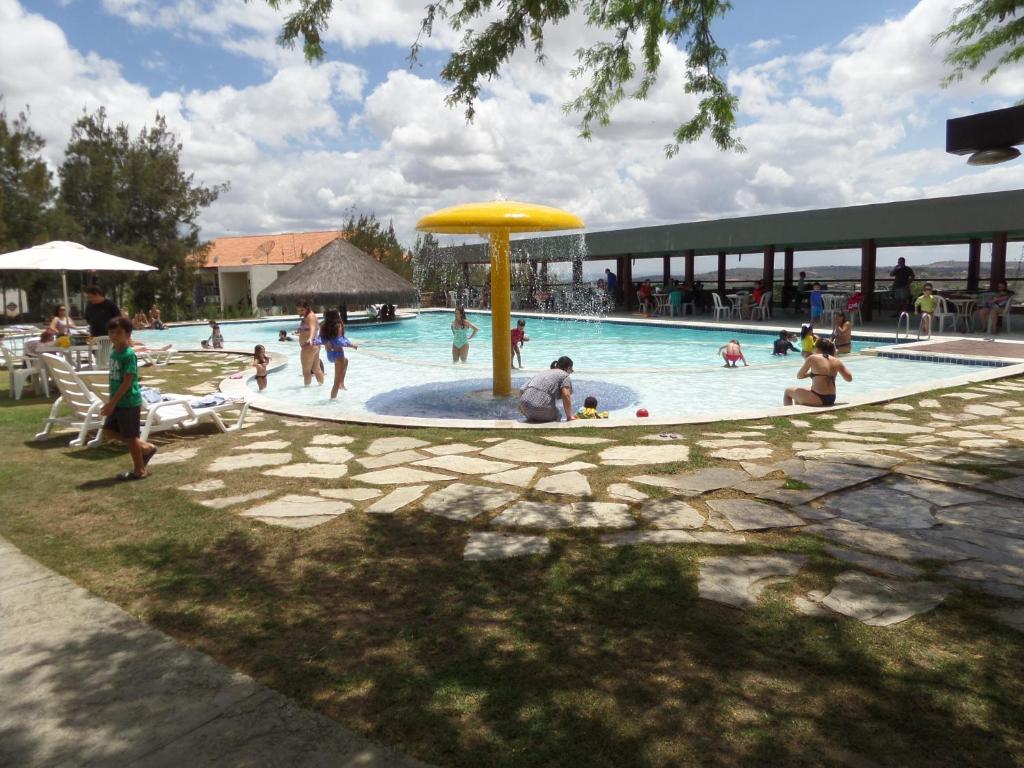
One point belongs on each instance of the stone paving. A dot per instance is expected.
(882, 490)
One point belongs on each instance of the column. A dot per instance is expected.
(628, 292)
(998, 273)
(768, 273)
(721, 273)
(868, 256)
(465, 274)
(787, 276)
(666, 270)
(973, 263)
(620, 271)
(690, 256)
(501, 313)
(577, 272)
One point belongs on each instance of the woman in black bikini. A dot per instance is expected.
(842, 334)
(821, 368)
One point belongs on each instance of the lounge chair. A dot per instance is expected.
(156, 357)
(84, 393)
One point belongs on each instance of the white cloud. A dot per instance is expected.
(856, 123)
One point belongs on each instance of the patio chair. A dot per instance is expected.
(84, 394)
(942, 313)
(721, 310)
(763, 309)
(23, 370)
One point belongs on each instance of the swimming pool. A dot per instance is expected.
(405, 368)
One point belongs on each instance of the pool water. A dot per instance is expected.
(405, 368)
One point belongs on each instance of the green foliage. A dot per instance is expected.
(612, 66)
(981, 30)
(437, 275)
(129, 196)
(368, 234)
(26, 189)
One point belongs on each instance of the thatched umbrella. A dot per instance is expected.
(339, 273)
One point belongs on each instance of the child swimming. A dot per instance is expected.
(783, 345)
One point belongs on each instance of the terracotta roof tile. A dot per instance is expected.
(284, 248)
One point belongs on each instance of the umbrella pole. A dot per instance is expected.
(64, 285)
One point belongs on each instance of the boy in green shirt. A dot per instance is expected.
(123, 409)
(925, 306)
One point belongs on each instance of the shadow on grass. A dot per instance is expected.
(587, 656)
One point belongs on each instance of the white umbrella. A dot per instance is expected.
(62, 256)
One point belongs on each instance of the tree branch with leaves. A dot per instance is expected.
(984, 31)
(637, 29)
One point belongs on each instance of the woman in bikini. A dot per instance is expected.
(461, 335)
(260, 360)
(309, 350)
(821, 368)
(842, 334)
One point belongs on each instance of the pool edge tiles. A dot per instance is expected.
(240, 388)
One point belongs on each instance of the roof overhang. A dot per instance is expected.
(935, 221)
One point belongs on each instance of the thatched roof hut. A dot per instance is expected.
(339, 273)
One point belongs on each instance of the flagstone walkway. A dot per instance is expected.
(866, 480)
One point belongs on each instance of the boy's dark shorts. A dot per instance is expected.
(125, 421)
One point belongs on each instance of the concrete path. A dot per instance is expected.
(84, 683)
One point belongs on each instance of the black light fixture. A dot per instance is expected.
(987, 137)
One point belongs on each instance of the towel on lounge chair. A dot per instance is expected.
(209, 401)
(151, 395)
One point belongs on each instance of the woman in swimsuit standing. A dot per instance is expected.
(842, 334)
(821, 368)
(309, 351)
(461, 335)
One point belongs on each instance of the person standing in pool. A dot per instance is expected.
(309, 350)
(842, 334)
(821, 368)
(332, 337)
(461, 335)
(537, 398)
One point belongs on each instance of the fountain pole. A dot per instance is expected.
(501, 311)
(497, 219)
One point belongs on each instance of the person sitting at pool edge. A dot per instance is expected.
(731, 353)
(925, 307)
(783, 345)
(538, 396)
(589, 410)
(821, 368)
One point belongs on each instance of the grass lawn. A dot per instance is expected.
(588, 656)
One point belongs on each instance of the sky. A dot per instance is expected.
(840, 104)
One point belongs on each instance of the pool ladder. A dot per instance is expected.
(899, 324)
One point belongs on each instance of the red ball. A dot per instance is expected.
(642, 413)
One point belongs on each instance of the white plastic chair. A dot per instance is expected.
(1005, 315)
(84, 393)
(22, 370)
(853, 313)
(942, 313)
(721, 310)
(101, 357)
(763, 309)
(452, 300)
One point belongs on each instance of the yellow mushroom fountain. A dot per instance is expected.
(497, 220)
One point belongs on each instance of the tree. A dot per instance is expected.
(368, 234)
(980, 30)
(26, 188)
(612, 65)
(130, 196)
